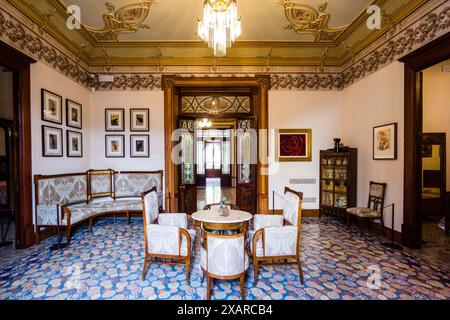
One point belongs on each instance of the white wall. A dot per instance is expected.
(316, 110)
(373, 101)
(43, 76)
(153, 100)
(436, 105)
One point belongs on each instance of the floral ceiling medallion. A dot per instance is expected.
(127, 19)
(304, 19)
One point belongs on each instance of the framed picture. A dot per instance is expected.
(74, 144)
(427, 151)
(115, 119)
(74, 114)
(140, 120)
(115, 146)
(140, 146)
(385, 142)
(52, 142)
(293, 145)
(51, 105)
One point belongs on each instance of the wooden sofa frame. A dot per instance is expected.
(65, 211)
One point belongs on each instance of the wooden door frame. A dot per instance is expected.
(19, 63)
(171, 84)
(431, 54)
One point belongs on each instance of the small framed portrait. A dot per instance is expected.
(115, 119)
(51, 105)
(140, 120)
(293, 145)
(140, 146)
(74, 144)
(385, 142)
(115, 146)
(74, 115)
(52, 142)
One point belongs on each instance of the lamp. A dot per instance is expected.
(220, 26)
(205, 123)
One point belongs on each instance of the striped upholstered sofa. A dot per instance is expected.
(70, 199)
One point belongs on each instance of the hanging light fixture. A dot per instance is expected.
(205, 123)
(220, 26)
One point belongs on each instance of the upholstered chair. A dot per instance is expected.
(375, 207)
(277, 237)
(167, 236)
(224, 257)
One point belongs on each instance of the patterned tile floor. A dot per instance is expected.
(107, 265)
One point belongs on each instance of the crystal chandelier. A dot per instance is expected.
(205, 123)
(220, 26)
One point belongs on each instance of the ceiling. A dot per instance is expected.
(167, 31)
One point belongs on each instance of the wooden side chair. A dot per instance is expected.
(375, 206)
(275, 239)
(224, 257)
(167, 236)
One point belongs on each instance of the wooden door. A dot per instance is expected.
(247, 151)
(187, 190)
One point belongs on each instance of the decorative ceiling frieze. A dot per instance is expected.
(225, 105)
(304, 19)
(127, 19)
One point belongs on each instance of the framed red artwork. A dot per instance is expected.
(293, 145)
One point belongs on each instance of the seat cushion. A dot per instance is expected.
(261, 221)
(203, 259)
(364, 212)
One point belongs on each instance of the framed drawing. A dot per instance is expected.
(52, 142)
(74, 144)
(115, 120)
(140, 146)
(385, 142)
(115, 146)
(74, 115)
(51, 105)
(293, 145)
(140, 120)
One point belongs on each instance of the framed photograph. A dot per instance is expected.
(52, 142)
(115, 146)
(140, 120)
(51, 105)
(385, 142)
(293, 145)
(140, 146)
(115, 119)
(74, 144)
(74, 114)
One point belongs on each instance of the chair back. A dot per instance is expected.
(225, 255)
(216, 206)
(376, 196)
(150, 206)
(292, 206)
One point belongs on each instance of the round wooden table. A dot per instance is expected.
(217, 221)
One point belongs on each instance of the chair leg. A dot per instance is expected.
(38, 235)
(208, 287)
(144, 270)
(300, 271)
(188, 266)
(68, 234)
(91, 224)
(243, 286)
(256, 267)
(348, 220)
(128, 216)
(203, 275)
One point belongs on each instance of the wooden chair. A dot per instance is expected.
(275, 239)
(224, 257)
(375, 206)
(166, 235)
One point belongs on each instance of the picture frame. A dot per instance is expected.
(115, 146)
(140, 146)
(74, 144)
(52, 142)
(74, 114)
(385, 142)
(293, 145)
(51, 107)
(139, 120)
(114, 120)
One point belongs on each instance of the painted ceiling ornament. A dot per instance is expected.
(304, 19)
(127, 19)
